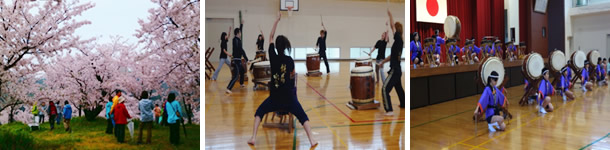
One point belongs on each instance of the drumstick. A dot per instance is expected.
(367, 53)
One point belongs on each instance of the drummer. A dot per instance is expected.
(586, 85)
(439, 40)
(565, 84)
(545, 91)
(394, 75)
(491, 103)
(488, 48)
(600, 72)
(282, 93)
(453, 50)
(416, 50)
(321, 43)
(473, 49)
(260, 42)
(512, 50)
(381, 45)
(497, 47)
(435, 52)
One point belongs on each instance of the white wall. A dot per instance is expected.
(590, 27)
(349, 23)
(513, 18)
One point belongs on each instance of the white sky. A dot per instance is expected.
(114, 17)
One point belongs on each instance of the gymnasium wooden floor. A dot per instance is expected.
(578, 124)
(229, 119)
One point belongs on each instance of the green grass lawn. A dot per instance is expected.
(90, 135)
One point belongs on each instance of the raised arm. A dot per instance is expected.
(261, 30)
(271, 35)
(271, 51)
(229, 35)
(391, 21)
(323, 27)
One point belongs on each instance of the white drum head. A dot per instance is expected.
(492, 64)
(450, 25)
(362, 71)
(312, 54)
(558, 60)
(593, 57)
(364, 59)
(535, 63)
(262, 63)
(579, 59)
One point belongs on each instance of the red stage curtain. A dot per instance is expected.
(479, 18)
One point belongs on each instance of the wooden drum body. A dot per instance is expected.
(488, 65)
(243, 65)
(365, 61)
(261, 71)
(362, 85)
(532, 66)
(557, 61)
(313, 62)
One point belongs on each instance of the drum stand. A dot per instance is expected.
(529, 91)
(314, 74)
(286, 121)
(362, 106)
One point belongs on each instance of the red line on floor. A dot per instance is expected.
(344, 114)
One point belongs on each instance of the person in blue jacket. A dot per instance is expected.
(491, 102)
(67, 116)
(565, 84)
(110, 120)
(545, 91)
(416, 49)
(585, 84)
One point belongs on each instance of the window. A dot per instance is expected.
(333, 53)
(301, 53)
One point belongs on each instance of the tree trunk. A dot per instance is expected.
(188, 111)
(11, 116)
(90, 114)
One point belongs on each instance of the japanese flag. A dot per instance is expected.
(433, 11)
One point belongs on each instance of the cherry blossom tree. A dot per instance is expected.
(171, 34)
(31, 32)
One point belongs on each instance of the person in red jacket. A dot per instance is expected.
(120, 118)
(52, 111)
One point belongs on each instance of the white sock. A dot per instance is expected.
(542, 110)
(564, 97)
(491, 126)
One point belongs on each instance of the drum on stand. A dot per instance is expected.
(261, 54)
(261, 71)
(532, 71)
(557, 60)
(592, 56)
(243, 65)
(313, 64)
(364, 61)
(577, 64)
(491, 64)
(452, 27)
(362, 87)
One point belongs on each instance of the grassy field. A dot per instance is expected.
(90, 135)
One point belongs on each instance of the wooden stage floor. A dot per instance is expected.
(578, 124)
(229, 119)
